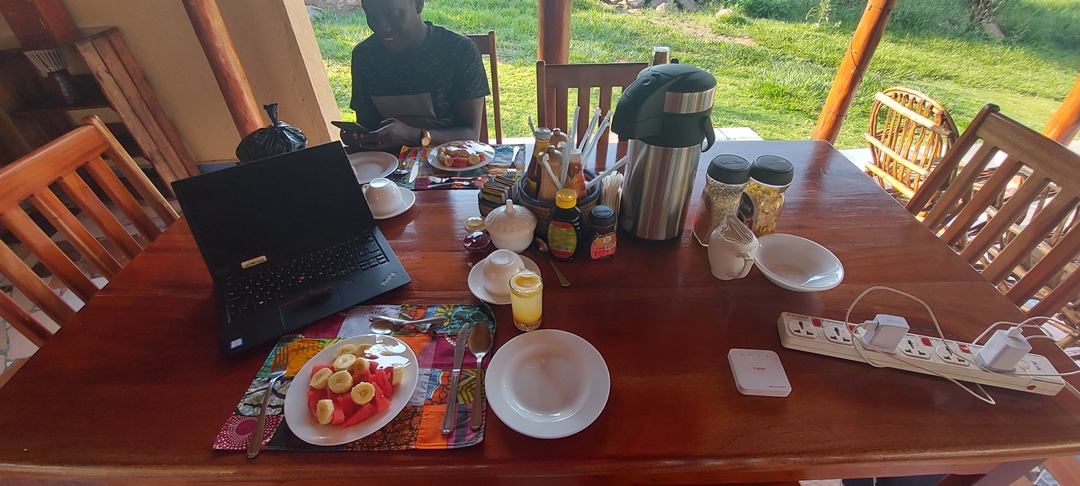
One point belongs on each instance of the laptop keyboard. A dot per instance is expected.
(269, 286)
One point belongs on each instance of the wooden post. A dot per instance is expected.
(554, 29)
(1065, 122)
(852, 67)
(219, 49)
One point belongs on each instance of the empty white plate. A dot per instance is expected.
(547, 384)
(372, 165)
(798, 264)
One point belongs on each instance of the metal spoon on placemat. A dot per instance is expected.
(479, 345)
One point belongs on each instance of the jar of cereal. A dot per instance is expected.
(726, 178)
(760, 207)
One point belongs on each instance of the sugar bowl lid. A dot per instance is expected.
(510, 218)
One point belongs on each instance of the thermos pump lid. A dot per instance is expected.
(729, 169)
(772, 170)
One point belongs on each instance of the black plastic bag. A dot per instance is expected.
(278, 138)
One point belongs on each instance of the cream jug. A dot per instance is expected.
(732, 249)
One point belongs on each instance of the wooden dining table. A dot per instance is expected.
(135, 390)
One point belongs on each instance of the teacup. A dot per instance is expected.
(383, 196)
(499, 266)
(732, 249)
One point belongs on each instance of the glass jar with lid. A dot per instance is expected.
(726, 179)
(760, 207)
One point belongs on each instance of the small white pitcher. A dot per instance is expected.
(732, 249)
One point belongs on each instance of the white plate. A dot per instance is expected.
(391, 352)
(476, 282)
(372, 165)
(798, 264)
(477, 146)
(408, 198)
(547, 384)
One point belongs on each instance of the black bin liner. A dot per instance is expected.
(278, 138)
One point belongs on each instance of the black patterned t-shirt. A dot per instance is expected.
(419, 87)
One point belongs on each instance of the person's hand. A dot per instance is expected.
(392, 134)
(350, 139)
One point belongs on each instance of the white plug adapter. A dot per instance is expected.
(1004, 350)
(885, 333)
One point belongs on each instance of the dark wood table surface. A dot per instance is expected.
(135, 390)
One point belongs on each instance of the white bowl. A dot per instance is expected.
(798, 264)
(511, 227)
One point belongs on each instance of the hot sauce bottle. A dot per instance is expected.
(543, 141)
(565, 230)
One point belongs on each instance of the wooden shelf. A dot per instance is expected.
(51, 102)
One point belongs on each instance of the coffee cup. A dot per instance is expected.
(499, 266)
(383, 196)
(732, 249)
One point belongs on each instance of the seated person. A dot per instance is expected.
(414, 83)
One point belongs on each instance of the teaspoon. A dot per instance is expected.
(387, 325)
(542, 248)
(479, 344)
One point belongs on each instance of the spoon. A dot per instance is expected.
(542, 248)
(479, 344)
(387, 325)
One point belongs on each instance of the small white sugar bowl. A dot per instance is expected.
(511, 227)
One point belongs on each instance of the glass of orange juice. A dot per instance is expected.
(526, 299)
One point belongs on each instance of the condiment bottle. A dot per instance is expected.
(565, 229)
(760, 207)
(549, 185)
(603, 240)
(543, 141)
(726, 178)
(575, 174)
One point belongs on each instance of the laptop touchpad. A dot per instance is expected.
(311, 307)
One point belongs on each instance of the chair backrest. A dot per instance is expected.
(32, 181)
(553, 85)
(1017, 222)
(485, 43)
(908, 133)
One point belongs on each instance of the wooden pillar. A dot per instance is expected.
(38, 22)
(219, 49)
(852, 67)
(1065, 122)
(554, 29)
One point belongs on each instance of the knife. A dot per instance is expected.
(451, 404)
(416, 165)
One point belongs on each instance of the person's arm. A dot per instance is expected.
(394, 133)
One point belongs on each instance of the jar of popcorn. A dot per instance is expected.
(760, 206)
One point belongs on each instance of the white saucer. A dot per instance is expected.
(408, 198)
(547, 384)
(372, 165)
(476, 282)
(798, 264)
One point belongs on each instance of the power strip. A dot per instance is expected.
(833, 338)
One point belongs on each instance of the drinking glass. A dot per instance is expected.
(526, 299)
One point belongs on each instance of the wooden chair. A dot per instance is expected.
(62, 164)
(553, 85)
(485, 43)
(1023, 236)
(908, 134)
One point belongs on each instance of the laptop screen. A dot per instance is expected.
(276, 207)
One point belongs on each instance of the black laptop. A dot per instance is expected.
(288, 240)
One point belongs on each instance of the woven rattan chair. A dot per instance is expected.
(908, 134)
(1017, 223)
(32, 182)
(485, 43)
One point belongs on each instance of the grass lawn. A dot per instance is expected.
(774, 65)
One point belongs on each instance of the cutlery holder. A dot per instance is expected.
(542, 209)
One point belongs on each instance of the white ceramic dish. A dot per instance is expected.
(798, 264)
(547, 384)
(391, 352)
(476, 282)
(408, 198)
(372, 165)
(486, 149)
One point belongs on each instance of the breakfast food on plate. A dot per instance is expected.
(461, 154)
(351, 389)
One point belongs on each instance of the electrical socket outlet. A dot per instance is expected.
(802, 328)
(949, 356)
(915, 347)
(838, 334)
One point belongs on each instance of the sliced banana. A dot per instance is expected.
(324, 411)
(340, 382)
(345, 349)
(399, 374)
(363, 393)
(319, 379)
(362, 349)
(360, 365)
(344, 362)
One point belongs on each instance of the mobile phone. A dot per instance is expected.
(351, 127)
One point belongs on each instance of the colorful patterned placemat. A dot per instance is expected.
(419, 423)
(507, 156)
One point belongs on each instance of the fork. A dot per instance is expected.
(277, 370)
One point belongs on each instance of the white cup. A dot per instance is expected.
(732, 249)
(499, 266)
(383, 196)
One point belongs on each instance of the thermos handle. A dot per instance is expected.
(710, 134)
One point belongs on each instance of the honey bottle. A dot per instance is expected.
(565, 231)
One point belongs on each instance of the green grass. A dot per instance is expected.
(774, 73)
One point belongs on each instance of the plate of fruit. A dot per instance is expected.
(462, 155)
(351, 389)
